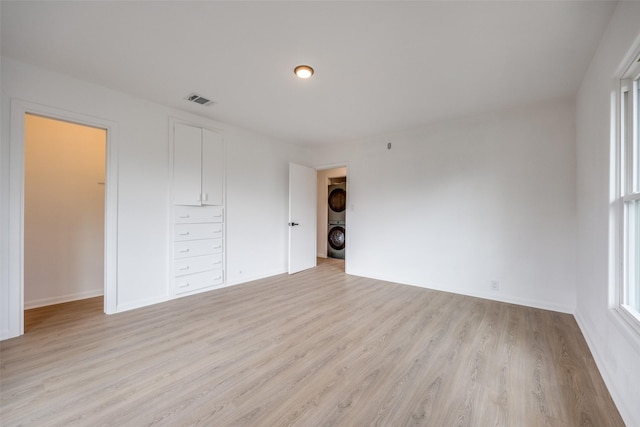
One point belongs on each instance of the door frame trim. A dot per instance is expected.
(19, 108)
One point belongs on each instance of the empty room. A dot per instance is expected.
(340, 213)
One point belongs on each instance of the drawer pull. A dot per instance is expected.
(216, 263)
(217, 247)
(217, 278)
(184, 251)
(218, 216)
(186, 233)
(184, 285)
(217, 231)
(184, 216)
(184, 268)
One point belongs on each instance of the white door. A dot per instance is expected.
(187, 165)
(212, 168)
(302, 217)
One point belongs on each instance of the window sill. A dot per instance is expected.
(628, 323)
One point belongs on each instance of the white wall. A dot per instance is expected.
(615, 348)
(322, 206)
(256, 186)
(64, 211)
(459, 204)
(257, 204)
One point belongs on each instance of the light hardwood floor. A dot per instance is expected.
(318, 348)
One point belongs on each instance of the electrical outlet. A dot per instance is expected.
(495, 285)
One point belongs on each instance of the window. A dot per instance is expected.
(628, 195)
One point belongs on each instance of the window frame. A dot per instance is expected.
(626, 193)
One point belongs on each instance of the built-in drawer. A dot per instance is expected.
(210, 230)
(198, 264)
(197, 281)
(191, 248)
(196, 214)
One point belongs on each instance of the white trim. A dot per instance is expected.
(339, 165)
(248, 279)
(621, 188)
(627, 63)
(16, 205)
(603, 366)
(526, 302)
(631, 197)
(141, 303)
(631, 317)
(347, 166)
(16, 217)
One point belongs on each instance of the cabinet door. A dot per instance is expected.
(187, 166)
(212, 168)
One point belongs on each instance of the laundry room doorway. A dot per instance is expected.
(332, 213)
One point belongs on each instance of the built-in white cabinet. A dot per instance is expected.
(197, 226)
(198, 248)
(198, 166)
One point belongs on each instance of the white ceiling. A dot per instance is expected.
(380, 66)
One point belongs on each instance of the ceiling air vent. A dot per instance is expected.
(194, 97)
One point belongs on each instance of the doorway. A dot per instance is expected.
(64, 211)
(13, 244)
(332, 226)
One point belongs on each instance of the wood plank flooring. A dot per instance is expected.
(319, 348)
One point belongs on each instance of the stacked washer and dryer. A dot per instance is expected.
(337, 210)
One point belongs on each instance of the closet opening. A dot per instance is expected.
(64, 215)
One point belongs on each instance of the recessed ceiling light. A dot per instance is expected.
(303, 71)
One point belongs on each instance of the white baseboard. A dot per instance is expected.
(143, 303)
(63, 298)
(625, 413)
(140, 303)
(493, 296)
(245, 279)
